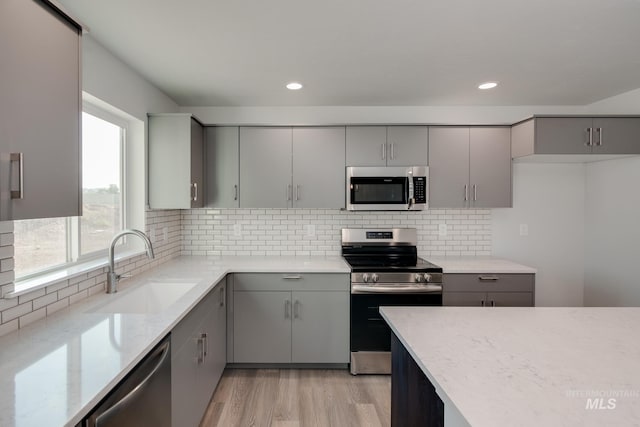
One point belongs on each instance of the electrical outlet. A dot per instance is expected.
(237, 229)
(310, 230)
(524, 229)
(165, 234)
(442, 229)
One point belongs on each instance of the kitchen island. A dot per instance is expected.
(522, 366)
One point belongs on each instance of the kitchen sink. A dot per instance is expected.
(148, 298)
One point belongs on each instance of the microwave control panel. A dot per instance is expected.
(420, 189)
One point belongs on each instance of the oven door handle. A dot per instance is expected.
(430, 288)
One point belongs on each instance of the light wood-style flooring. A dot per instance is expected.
(299, 398)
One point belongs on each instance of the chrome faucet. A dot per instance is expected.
(112, 277)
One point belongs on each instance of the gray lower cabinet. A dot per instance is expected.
(40, 112)
(469, 167)
(283, 167)
(387, 145)
(176, 162)
(290, 318)
(198, 357)
(222, 162)
(576, 135)
(489, 290)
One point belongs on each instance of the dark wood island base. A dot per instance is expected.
(414, 401)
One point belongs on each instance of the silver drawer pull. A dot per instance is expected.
(19, 159)
(298, 277)
(488, 278)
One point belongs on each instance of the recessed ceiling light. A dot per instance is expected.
(294, 86)
(487, 85)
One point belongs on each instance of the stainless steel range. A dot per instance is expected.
(385, 270)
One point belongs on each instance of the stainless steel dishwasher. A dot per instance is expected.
(143, 398)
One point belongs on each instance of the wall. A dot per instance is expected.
(109, 80)
(550, 200)
(612, 274)
(285, 231)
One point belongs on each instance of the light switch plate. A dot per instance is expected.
(237, 229)
(310, 230)
(442, 229)
(524, 229)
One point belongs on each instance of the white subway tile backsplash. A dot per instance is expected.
(284, 232)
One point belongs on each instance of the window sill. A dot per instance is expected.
(23, 287)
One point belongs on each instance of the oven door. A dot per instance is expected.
(370, 334)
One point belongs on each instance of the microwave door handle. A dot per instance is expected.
(410, 193)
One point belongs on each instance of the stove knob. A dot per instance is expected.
(374, 278)
(427, 277)
(365, 277)
(419, 278)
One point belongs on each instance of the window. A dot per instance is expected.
(44, 244)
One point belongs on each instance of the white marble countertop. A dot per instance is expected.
(527, 366)
(54, 371)
(480, 264)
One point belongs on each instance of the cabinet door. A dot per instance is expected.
(319, 167)
(616, 135)
(222, 167)
(265, 167)
(562, 135)
(366, 145)
(171, 161)
(490, 167)
(407, 145)
(197, 164)
(464, 299)
(39, 111)
(448, 167)
(262, 327)
(320, 327)
(510, 299)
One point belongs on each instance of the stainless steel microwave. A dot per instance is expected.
(391, 188)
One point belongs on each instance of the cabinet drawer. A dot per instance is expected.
(291, 281)
(487, 282)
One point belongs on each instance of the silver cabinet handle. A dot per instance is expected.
(195, 191)
(599, 141)
(589, 141)
(205, 340)
(475, 193)
(297, 192)
(393, 150)
(384, 151)
(289, 191)
(488, 278)
(466, 192)
(200, 349)
(235, 192)
(296, 277)
(19, 159)
(163, 350)
(222, 299)
(287, 309)
(296, 309)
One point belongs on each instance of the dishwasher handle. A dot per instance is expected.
(161, 353)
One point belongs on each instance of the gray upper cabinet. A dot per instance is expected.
(319, 167)
(387, 145)
(576, 135)
(469, 167)
(407, 145)
(283, 167)
(176, 162)
(222, 166)
(40, 105)
(265, 167)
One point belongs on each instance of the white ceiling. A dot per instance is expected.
(374, 52)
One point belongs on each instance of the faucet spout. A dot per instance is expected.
(112, 277)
